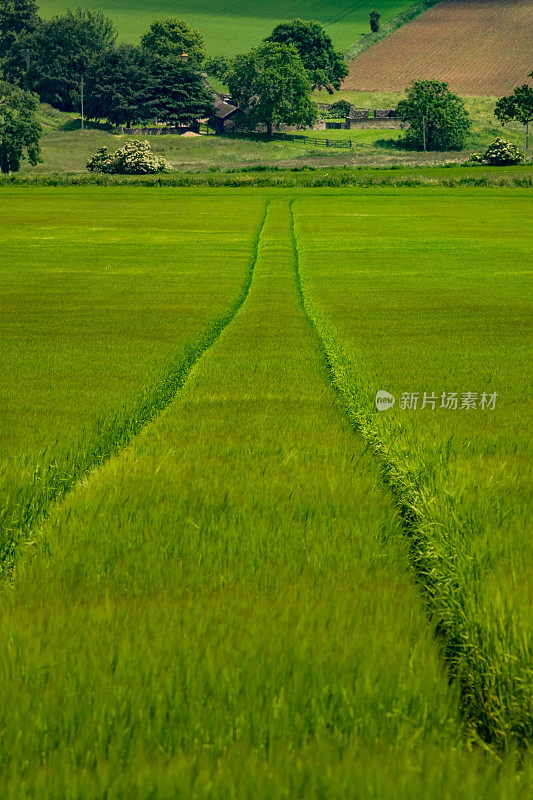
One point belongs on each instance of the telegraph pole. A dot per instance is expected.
(82, 114)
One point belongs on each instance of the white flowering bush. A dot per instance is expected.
(133, 158)
(502, 152)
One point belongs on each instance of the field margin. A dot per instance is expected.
(461, 176)
(386, 28)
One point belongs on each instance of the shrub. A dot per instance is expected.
(476, 158)
(133, 158)
(502, 153)
(340, 109)
(374, 21)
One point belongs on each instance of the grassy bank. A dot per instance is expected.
(449, 175)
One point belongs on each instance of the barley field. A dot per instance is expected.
(225, 572)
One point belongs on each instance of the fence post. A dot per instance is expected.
(327, 142)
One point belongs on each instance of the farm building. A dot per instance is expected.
(224, 110)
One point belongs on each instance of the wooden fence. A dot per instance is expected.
(294, 137)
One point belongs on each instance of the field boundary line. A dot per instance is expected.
(386, 28)
(416, 177)
(489, 719)
(116, 430)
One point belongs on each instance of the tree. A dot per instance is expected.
(340, 109)
(16, 17)
(18, 20)
(518, 106)
(171, 38)
(20, 130)
(271, 86)
(63, 48)
(218, 67)
(175, 92)
(374, 21)
(326, 68)
(117, 85)
(438, 118)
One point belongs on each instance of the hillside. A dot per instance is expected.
(231, 26)
(480, 47)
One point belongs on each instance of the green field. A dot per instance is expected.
(100, 296)
(448, 313)
(233, 27)
(258, 586)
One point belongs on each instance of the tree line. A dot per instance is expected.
(77, 52)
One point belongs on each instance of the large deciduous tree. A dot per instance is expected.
(18, 20)
(518, 106)
(20, 130)
(325, 67)
(171, 38)
(271, 86)
(438, 119)
(62, 50)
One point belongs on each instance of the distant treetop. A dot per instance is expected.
(325, 67)
(171, 38)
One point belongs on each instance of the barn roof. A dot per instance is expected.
(224, 108)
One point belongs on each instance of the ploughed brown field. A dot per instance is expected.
(480, 47)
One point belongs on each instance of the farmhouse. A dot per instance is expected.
(224, 110)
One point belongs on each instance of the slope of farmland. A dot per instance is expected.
(232, 26)
(480, 47)
(226, 609)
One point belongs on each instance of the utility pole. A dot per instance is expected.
(82, 114)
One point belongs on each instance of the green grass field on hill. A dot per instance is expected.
(233, 26)
(264, 595)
